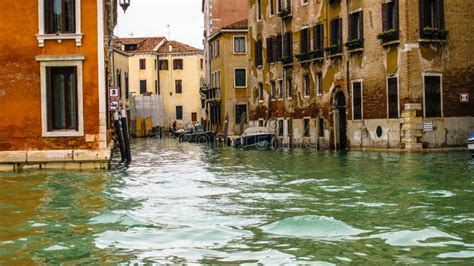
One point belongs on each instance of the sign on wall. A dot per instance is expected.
(464, 97)
(114, 105)
(428, 126)
(114, 92)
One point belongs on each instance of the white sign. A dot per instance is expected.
(464, 97)
(114, 105)
(114, 92)
(428, 126)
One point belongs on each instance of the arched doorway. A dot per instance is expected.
(340, 121)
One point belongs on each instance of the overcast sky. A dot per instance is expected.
(146, 18)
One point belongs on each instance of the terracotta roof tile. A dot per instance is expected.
(178, 47)
(239, 25)
(146, 44)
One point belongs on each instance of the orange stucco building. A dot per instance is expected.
(53, 83)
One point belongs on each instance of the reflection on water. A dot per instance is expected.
(190, 203)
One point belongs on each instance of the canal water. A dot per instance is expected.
(191, 203)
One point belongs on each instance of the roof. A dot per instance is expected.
(239, 25)
(149, 44)
(178, 47)
(144, 44)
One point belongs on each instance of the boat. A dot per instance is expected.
(256, 137)
(470, 144)
(197, 135)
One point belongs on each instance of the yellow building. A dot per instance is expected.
(227, 95)
(159, 66)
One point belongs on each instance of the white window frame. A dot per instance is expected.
(398, 94)
(319, 85)
(61, 61)
(42, 36)
(361, 98)
(259, 10)
(428, 74)
(235, 77)
(270, 2)
(261, 120)
(303, 3)
(304, 86)
(288, 96)
(273, 89)
(245, 44)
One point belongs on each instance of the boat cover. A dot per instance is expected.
(256, 131)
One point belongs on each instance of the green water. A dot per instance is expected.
(188, 203)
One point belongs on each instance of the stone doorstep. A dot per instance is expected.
(59, 156)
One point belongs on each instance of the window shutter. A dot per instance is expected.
(275, 48)
(423, 7)
(361, 25)
(285, 45)
(396, 16)
(269, 50)
(290, 44)
(48, 18)
(339, 32)
(385, 22)
(441, 14)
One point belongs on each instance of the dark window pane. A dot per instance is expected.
(357, 100)
(306, 127)
(179, 86)
(62, 98)
(179, 113)
(142, 86)
(240, 109)
(432, 96)
(392, 97)
(240, 78)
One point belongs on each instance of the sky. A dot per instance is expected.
(146, 18)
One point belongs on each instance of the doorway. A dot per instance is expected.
(340, 121)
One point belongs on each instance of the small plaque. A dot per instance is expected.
(464, 97)
(428, 126)
(114, 92)
(114, 105)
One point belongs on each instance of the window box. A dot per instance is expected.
(388, 36)
(355, 44)
(333, 49)
(287, 60)
(304, 56)
(434, 34)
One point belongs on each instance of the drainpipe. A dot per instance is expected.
(348, 73)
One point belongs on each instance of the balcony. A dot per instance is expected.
(309, 55)
(214, 94)
(433, 35)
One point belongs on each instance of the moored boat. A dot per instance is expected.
(256, 137)
(470, 144)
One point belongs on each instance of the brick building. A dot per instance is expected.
(53, 87)
(359, 73)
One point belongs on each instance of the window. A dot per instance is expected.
(215, 49)
(284, 6)
(119, 79)
(239, 45)
(130, 47)
(273, 89)
(60, 16)
(390, 16)
(240, 112)
(336, 34)
(318, 32)
(201, 61)
(179, 112)
(281, 89)
(306, 127)
(178, 64)
(156, 87)
(155, 64)
(178, 85)
(305, 44)
(260, 92)
(306, 86)
(127, 86)
(240, 78)
(194, 117)
(258, 53)
(62, 98)
(261, 122)
(288, 45)
(321, 127)
(319, 84)
(432, 14)
(279, 47)
(432, 94)
(357, 100)
(259, 9)
(272, 7)
(392, 97)
(289, 88)
(142, 64)
(270, 57)
(356, 26)
(143, 86)
(163, 64)
(280, 128)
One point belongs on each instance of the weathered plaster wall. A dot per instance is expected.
(20, 103)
